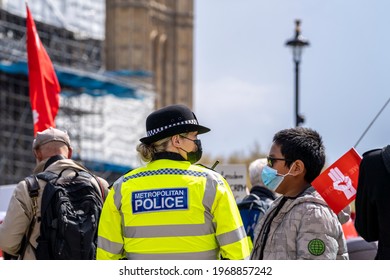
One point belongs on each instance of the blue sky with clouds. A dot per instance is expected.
(244, 73)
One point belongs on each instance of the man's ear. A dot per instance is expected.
(298, 168)
(70, 151)
(37, 155)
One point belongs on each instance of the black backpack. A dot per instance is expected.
(70, 212)
(252, 208)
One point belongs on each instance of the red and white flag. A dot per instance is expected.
(338, 183)
(43, 82)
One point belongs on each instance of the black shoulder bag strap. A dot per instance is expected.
(49, 190)
(33, 190)
(100, 187)
(102, 190)
(53, 159)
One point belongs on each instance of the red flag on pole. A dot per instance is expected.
(43, 83)
(338, 183)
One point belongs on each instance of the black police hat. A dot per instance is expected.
(169, 121)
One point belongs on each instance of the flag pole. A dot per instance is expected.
(372, 122)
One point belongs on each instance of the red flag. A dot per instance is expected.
(349, 229)
(44, 86)
(338, 183)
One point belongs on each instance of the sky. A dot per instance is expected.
(244, 79)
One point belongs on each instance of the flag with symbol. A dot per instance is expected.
(338, 183)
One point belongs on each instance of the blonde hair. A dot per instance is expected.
(147, 151)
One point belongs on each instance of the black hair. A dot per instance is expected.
(304, 144)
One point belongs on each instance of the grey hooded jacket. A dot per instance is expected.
(302, 227)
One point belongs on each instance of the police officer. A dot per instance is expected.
(171, 208)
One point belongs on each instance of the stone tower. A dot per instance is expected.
(155, 36)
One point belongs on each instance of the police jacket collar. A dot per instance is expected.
(168, 155)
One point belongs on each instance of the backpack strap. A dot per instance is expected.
(53, 159)
(32, 186)
(255, 196)
(47, 176)
(102, 190)
(33, 191)
(49, 190)
(88, 174)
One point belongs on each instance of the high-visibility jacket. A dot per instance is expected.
(171, 209)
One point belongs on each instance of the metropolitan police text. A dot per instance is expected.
(160, 199)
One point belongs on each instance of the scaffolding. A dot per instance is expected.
(85, 18)
(103, 112)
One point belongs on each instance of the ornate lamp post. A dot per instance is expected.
(297, 44)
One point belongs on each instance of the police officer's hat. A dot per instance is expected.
(169, 121)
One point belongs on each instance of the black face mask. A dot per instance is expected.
(194, 156)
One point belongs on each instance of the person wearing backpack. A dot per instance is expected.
(21, 231)
(253, 206)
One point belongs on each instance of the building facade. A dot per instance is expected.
(154, 36)
(102, 111)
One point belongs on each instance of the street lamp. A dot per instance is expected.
(297, 44)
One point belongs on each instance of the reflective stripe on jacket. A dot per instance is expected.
(182, 211)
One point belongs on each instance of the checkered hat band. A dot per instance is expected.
(161, 129)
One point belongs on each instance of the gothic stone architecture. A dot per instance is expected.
(154, 36)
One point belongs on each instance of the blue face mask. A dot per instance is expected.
(271, 178)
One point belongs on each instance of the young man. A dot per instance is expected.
(299, 224)
(171, 208)
(52, 150)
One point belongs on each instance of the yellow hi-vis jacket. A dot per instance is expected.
(171, 210)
